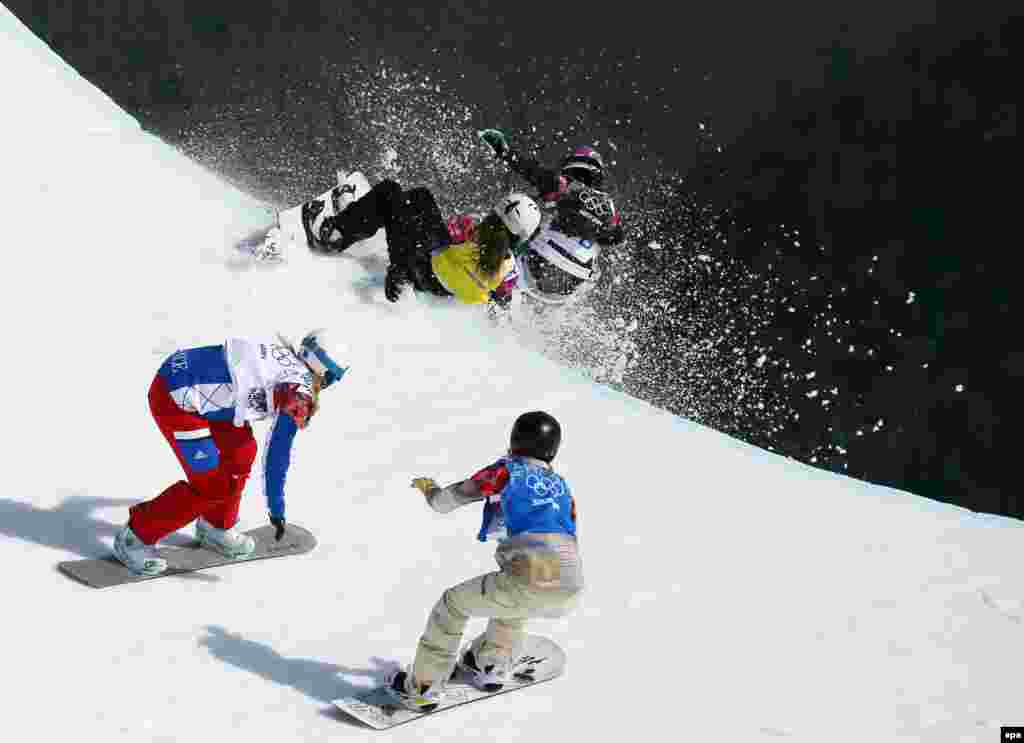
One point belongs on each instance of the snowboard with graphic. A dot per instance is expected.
(108, 571)
(271, 245)
(540, 660)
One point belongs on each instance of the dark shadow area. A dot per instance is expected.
(257, 91)
(69, 526)
(317, 679)
(875, 213)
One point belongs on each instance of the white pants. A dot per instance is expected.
(506, 601)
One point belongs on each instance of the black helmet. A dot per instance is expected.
(536, 435)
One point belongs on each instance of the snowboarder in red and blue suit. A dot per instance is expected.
(203, 401)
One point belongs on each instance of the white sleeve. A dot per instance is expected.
(446, 500)
(233, 353)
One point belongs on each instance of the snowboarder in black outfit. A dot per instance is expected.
(581, 219)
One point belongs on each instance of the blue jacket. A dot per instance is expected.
(535, 500)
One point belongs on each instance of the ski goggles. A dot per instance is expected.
(325, 369)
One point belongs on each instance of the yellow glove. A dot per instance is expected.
(424, 484)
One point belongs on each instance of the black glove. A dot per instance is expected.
(278, 522)
(397, 278)
(501, 300)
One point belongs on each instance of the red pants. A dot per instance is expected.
(213, 493)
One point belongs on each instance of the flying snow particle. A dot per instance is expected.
(388, 158)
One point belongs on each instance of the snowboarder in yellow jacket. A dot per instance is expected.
(468, 258)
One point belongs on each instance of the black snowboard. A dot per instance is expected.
(107, 571)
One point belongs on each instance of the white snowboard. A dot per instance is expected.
(541, 660)
(272, 244)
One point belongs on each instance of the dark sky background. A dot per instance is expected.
(848, 187)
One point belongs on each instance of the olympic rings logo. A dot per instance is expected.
(544, 487)
(599, 206)
(282, 355)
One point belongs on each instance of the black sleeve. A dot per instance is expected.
(545, 180)
(612, 235)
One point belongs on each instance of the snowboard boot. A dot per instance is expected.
(137, 556)
(337, 233)
(270, 250)
(228, 542)
(425, 699)
(341, 196)
(311, 211)
(490, 678)
(320, 221)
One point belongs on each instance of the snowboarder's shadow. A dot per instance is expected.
(70, 525)
(316, 679)
(370, 288)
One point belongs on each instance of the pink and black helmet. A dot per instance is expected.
(584, 164)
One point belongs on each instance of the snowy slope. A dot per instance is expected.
(754, 597)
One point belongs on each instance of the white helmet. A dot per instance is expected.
(520, 214)
(322, 358)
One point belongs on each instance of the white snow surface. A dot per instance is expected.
(732, 594)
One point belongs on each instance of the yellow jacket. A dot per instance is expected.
(457, 267)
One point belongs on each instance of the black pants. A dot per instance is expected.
(412, 222)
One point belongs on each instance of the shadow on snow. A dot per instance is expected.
(316, 679)
(70, 526)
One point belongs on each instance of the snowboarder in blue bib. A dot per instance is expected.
(529, 508)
